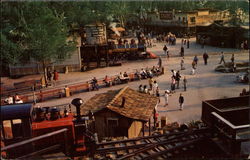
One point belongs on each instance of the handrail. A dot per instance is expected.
(229, 123)
(33, 139)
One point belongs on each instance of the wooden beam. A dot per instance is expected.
(34, 139)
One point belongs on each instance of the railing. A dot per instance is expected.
(229, 129)
(79, 87)
(32, 140)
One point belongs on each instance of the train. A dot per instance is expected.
(28, 131)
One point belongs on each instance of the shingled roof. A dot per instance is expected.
(137, 105)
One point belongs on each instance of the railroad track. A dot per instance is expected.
(159, 146)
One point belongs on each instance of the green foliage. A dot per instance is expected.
(39, 29)
(33, 30)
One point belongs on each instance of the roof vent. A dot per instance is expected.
(123, 102)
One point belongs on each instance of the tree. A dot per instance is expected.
(47, 36)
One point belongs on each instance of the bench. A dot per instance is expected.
(28, 84)
(79, 87)
(50, 94)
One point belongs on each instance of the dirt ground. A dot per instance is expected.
(206, 84)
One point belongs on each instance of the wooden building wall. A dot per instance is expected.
(103, 129)
(73, 63)
(135, 129)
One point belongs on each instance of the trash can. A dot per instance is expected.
(67, 91)
(163, 121)
(66, 69)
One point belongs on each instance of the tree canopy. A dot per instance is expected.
(40, 29)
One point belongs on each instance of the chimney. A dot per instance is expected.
(77, 102)
(123, 102)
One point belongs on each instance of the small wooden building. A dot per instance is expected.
(120, 113)
(222, 34)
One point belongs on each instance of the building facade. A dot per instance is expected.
(181, 23)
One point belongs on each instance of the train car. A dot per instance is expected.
(27, 131)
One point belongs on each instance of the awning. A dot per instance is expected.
(119, 29)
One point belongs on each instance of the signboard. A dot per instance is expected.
(166, 15)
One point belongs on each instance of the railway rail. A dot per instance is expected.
(160, 146)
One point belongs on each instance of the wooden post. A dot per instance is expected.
(154, 118)
(107, 56)
(143, 129)
(149, 129)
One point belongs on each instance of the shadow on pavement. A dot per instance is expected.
(172, 110)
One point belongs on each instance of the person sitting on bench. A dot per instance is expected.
(137, 75)
(124, 77)
(94, 84)
(143, 74)
(107, 81)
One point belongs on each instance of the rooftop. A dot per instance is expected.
(137, 105)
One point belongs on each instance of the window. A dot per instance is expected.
(112, 122)
(12, 128)
(17, 129)
(192, 19)
(7, 128)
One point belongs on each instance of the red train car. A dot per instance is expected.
(27, 131)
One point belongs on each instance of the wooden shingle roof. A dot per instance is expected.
(137, 105)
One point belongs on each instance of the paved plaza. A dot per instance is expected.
(204, 85)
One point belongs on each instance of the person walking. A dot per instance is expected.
(181, 101)
(160, 62)
(193, 68)
(205, 57)
(185, 83)
(56, 75)
(166, 97)
(178, 78)
(173, 84)
(165, 48)
(222, 58)
(188, 43)
(155, 86)
(196, 60)
(49, 75)
(182, 51)
(182, 64)
(232, 58)
(173, 73)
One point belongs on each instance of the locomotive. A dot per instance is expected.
(27, 131)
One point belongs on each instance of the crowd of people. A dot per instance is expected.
(153, 88)
(124, 77)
